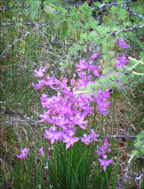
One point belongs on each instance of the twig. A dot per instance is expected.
(32, 24)
(118, 136)
(132, 12)
(16, 7)
(124, 30)
(108, 5)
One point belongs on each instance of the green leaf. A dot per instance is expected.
(82, 48)
(10, 4)
(18, 4)
(97, 85)
(13, 18)
(138, 144)
(13, 10)
(70, 20)
(114, 180)
(84, 6)
(111, 53)
(120, 3)
(61, 63)
(8, 175)
(105, 57)
(76, 47)
(142, 184)
(127, 184)
(84, 36)
(18, 24)
(33, 10)
(97, 4)
(122, 14)
(104, 88)
(113, 9)
(71, 50)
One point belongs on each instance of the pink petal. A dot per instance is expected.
(68, 145)
(20, 156)
(96, 73)
(41, 150)
(75, 139)
(52, 140)
(115, 41)
(94, 56)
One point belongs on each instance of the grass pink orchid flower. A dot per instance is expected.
(86, 139)
(122, 44)
(104, 149)
(39, 85)
(79, 120)
(24, 153)
(39, 73)
(46, 117)
(94, 56)
(53, 135)
(104, 95)
(94, 136)
(82, 65)
(120, 63)
(104, 162)
(115, 41)
(41, 150)
(92, 67)
(49, 81)
(69, 140)
(96, 73)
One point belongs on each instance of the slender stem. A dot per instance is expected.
(107, 179)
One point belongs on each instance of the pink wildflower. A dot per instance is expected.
(69, 140)
(104, 162)
(39, 73)
(115, 41)
(41, 150)
(94, 56)
(53, 135)
(122, 43)
(24, 153)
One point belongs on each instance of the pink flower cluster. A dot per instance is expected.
(102, 151)
(67, 111)
(89, 138)
(101, 101)
(122, 43)
(120, 63)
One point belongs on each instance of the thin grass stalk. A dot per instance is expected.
(107, 180)
(114, 181)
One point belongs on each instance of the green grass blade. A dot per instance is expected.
(114, 181)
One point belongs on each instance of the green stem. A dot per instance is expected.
(107, 180)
